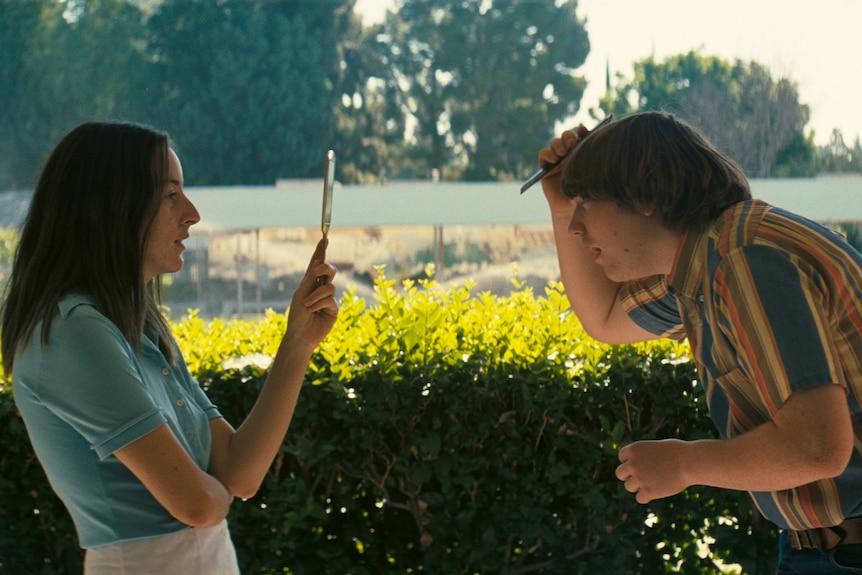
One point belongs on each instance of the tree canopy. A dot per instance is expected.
(485, 81)
(257, 90)
(756, 119)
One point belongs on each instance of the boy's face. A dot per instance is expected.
(627, 245)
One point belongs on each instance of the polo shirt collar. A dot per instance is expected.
(72, 300)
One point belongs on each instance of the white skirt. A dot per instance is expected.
(193, 551)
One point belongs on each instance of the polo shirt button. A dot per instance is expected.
(181, 403)
(166, 372)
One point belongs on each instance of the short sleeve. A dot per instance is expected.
(89, 377)
(653, 307)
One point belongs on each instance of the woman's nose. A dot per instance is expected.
(192, 215)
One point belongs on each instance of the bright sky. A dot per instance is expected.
(813, 42)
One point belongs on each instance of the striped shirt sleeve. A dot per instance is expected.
(653, 307)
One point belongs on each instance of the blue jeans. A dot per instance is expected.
(843, 560)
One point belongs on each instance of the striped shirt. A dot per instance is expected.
(771, 304)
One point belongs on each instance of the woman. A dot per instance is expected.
(142, 459)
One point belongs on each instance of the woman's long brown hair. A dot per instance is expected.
(86, 230)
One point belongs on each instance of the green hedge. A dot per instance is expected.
(442, 431)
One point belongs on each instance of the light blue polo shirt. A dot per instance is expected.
(89, 393)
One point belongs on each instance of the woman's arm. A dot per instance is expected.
(188, 493)
(240, 458)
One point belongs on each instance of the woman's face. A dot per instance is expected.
(176, 214)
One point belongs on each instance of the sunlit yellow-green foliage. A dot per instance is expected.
(8, 244)
(417, 323)
(207, 345)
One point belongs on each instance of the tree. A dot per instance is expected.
(746, 112)
(485, 81)
(772, 118)
(370, 122)
(63, 63)
(21, 130)
(251, 90)
(838, 157)
(248, 86)
(798, 159)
